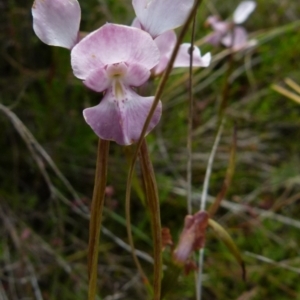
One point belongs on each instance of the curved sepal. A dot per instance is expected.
(56, 22)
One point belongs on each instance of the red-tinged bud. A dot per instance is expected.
(192, 237)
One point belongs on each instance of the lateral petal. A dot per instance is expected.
(56, 22)
(165, 43)
(159, 16)
(136, 75)
(98, 80)
(121, 121)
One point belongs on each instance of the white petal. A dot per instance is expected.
(56, 22)
(183, 57)
(159, 16)
(243, 11)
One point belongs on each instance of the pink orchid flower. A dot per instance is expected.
(192, 237)
(113, 59)
(159, 18)
(228, 32)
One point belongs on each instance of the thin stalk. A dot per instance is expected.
(209, 167)
(226, 86)
(222, 110)
(158, 94)
(228, 176)
(151, 192)
(129, 232)
(203, 202)
(96, 216)
(190, 124)
(189, 174)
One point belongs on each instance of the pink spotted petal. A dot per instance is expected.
(120, 121)
(159, 16)
(136, 75)
(98, 80)
(165, 43)
(56, 22)
(237, 39)
(243, 11)
(112, 44)
(183, 57)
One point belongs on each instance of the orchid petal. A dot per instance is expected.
(56, 22)
(159, 16)
(217, 25)
(165, 43)
(237, 39)
(136, 75)
(112, 44)
(158, 69)
(243, 11)
(121, 121)
(183, 57)
(98, 80)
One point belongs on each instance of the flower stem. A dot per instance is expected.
(96, 216)
(158, 94)
(203, 202)
(153, 205)
(130, 237)
(190, 124)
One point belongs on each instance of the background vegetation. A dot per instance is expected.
(44, 141)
